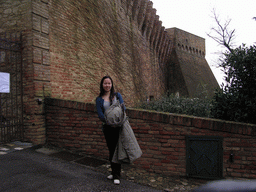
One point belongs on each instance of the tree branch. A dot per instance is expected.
(222, 34)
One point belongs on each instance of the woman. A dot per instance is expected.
(103, 102)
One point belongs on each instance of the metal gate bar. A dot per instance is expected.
(11, 104)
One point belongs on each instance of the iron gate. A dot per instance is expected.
(204, 157)
(11, 102)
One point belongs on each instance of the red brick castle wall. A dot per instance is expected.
(69, 45)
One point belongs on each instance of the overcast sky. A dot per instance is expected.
(196, 17)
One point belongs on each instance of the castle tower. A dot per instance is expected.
(189, 70)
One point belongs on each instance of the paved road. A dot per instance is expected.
(28, 170)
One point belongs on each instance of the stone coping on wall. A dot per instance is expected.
(70, 104)
(168, 118)
(193, 121)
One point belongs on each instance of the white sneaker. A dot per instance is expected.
(110, 177)
(116, 181)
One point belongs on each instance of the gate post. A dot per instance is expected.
(36, 64)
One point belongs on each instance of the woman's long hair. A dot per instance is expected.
(112, 90)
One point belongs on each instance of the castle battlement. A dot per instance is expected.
(186, 41)
(160, 39)
(144, 15)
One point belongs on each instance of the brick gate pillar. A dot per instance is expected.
(36, 62)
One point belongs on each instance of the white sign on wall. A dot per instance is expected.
(4, 82)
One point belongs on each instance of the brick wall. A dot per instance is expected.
(95, 38)
(14, 15)
(36, 69)
(68, 46)
(161, 136)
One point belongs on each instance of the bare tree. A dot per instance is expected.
(222, 34)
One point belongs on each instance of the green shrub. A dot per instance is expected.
(181, 105)
(236, 101)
